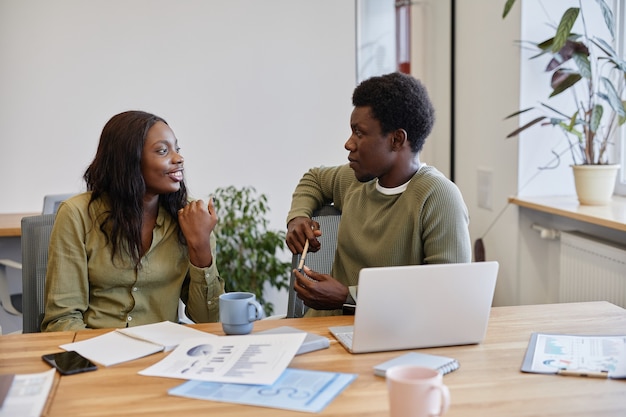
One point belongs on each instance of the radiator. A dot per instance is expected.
(591, 270)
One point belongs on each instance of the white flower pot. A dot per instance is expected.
(595, 183)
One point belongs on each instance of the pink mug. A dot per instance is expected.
(416, 391)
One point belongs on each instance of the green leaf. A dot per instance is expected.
(622, 119)
(583, 64)
(572, 122)
(607, 13)
(562, 80)
(507, 7)
(613, 97)
(518, 113)
(555, 110)
(605, 47)
(596, 117)
(526, 126)
(568, 129)
(247, 253)
(564, 28)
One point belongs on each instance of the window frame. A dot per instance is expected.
(619, 8)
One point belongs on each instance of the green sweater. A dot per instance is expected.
(85, 290)
(425, 224)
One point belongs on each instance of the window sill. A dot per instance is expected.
(612, 215)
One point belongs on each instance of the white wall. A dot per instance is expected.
(430, 62)
(487, 90)
(256, 91)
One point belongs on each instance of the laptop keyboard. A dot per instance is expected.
(345, 338)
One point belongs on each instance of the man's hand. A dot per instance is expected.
(320, 291)
(301, 229)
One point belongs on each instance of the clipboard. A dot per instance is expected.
(602, 356)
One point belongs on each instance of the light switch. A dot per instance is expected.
(485, 188)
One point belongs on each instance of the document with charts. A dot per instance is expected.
(296, 389)
(249, 359)
(584, 355)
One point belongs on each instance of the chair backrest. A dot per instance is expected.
(51, 202)
(321, 261)
(35, 239)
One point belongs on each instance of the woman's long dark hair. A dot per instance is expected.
(115, 176)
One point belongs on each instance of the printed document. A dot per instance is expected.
(296, 389)
(555, 353)
(249, 359)
(28, 394)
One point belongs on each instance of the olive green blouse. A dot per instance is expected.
(84, 289)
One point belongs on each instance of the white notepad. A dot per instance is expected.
(442, 364)
(122, 345)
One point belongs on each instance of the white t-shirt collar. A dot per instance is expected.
(395, 190)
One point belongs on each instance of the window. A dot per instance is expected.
(538, 146)
(383, 37)
(620, 148)
(376, 38)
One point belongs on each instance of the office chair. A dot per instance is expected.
(51, 202)
(35, 239)
(322, 261)
(12, 303)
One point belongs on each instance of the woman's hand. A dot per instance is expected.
(197, 222)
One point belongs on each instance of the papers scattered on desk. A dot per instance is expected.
(122, 345)
(250, 359)
(296, 389)
(603, 356)
(28, 394)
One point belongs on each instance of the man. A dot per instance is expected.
(395, 209)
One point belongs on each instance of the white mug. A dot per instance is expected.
(416, 391)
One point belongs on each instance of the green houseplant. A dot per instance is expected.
(248, 253)
(586, 66)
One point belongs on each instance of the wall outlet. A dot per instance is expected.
(485, 188)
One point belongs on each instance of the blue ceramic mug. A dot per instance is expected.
(238, 312)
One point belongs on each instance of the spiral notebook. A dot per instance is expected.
(442, 364)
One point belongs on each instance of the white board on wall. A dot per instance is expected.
(256, 91)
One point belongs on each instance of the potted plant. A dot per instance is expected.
(586, 66)
(248, 253)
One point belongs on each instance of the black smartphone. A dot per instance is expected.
(69, 363)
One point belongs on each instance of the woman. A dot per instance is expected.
(124, 252)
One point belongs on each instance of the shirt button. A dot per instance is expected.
(129, 318)
(135, 289)
(208, 302)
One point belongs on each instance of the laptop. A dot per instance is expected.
(420, 306)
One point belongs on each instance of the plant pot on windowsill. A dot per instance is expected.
(581, 60)
(595, 183)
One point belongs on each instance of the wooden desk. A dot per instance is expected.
(11, 223)
(488, 383)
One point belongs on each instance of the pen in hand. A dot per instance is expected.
(303, 257)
